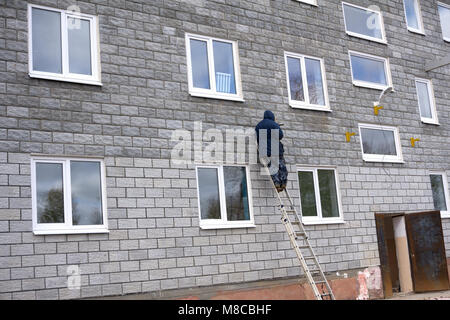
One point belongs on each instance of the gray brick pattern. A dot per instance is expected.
(154, 241)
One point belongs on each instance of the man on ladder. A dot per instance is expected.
(271, 149)
(269, 135)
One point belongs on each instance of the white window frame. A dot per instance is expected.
(444, 214)
(380, 157)
(447, 6)
(212, 93)
(223, 223)
(95, 78)
(306, 104)
(371, 85)
(432, 101)
(419, 18)
(311, 2)
(319, 219)
(67, 227)
(363, 36)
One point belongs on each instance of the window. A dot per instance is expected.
(63, 45)
(413, 16)
(444, 14)
(68, 196)
(311, 2)
(363, 23)
(213, 68)
(427, 106)
(439, 187)
(380, 143)
(319, 195)
(301, 70)
(224, 197)
(370, 71)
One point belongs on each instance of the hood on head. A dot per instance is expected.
(269, 115)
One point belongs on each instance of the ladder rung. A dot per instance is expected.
(310, 258)
(320, 281)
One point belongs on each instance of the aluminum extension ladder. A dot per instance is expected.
(300, 242)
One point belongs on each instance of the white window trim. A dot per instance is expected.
(223, 223)
(363, 36)
(444, 214)
(379, 157)
(66, 227)
(311, 2)
(448, 7)
(319, 219)
(95, 78)
(419, 18)
(306, 104)
(211, 93)
(434, 118)
(371, 85)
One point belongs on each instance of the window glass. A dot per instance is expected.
(236, 193)
(208, 185)
(363, 22)
(86, 193)
(328, 194)
(224, 67)
(214, 68)
(424, 99)
(412, 14)
(437, 186)
(376, 141)
(49, 192)
(444, 13)
(46, 40)
(295, 79)
(368, 70)
(199, 61)
(307, 193)
(314, 79)
(79, 35)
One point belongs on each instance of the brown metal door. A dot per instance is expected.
(388, 255)
(427, 251)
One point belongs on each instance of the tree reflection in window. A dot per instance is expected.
(50, 194)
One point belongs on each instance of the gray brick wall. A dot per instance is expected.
(155, 242)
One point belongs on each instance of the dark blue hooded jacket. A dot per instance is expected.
(269, 124)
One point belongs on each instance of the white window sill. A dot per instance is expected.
(357, 35)
(429, 121)
(309, 107)
(70, 231)
(416, 31)
(65, 79)
(217, 96)
(309, 222)
(446, 39)
(228, 225)
(383, 160)
(370, 85)
(445, 215)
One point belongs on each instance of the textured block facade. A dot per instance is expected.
(154, 241)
